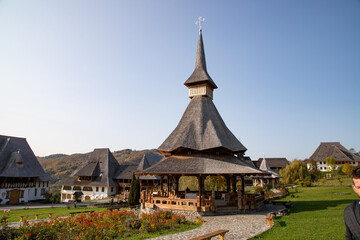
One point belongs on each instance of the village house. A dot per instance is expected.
(22, 178)
(101, 176)
(334, 150)
(201, 146)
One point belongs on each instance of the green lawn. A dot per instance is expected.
(317, 214)
(57, 212)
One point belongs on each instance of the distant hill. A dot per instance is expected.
(60, 166)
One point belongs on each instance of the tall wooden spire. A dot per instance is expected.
(200, 82)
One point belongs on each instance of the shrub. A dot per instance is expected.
(347, 169)
(258, 189)
(269, 194)
(307, 183)
(323, 180)
(267, 187)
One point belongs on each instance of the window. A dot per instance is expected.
(77, 188)
(67, 187)
(102, 189)
(35, 193)
(112, 189)
(43, 192)
(63, 196)
(22, 194)
(97, 189)
(8, 193)
(320, 168)
(87, 188)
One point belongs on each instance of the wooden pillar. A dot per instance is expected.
(242, 184)
(177, 183)
(227, 183)
(200, 180)
(161, 183)
(233, 183)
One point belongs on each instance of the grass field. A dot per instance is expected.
(14, 215)
(317, 213)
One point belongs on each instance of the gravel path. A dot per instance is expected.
(241, 226)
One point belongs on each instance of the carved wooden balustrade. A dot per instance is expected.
(177, 203)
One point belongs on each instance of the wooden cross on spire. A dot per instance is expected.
(199, 21)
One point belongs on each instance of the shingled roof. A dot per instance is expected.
(18, 160)
(100, 164)
(200, 74)
(200, 128)
(274, 162)
(266, 167)
(201, 164)
(335, 150)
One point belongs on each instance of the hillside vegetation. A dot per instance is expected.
(60, 166)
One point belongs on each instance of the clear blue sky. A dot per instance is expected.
(78, 75)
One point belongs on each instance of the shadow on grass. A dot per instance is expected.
(304, 206)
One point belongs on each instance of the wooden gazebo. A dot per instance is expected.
(202, 146)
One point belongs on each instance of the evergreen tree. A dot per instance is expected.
(131, 199)
(137, 192)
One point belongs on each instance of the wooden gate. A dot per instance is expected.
(14, 196)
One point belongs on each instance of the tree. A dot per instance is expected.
(137, 191)
(131, 199)
(313, 170)
(348, 168)
(295, 170)
(330, 161)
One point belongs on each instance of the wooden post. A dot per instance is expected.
(161, 183)
(242, 184)
(227, 183)
(176, 184)
(234, 183)
(200, 179)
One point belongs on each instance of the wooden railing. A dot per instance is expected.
(178, 203)
(251, 201)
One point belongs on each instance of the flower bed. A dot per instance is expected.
(103, 225)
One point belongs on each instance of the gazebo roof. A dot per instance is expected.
(201, 164)
(200, 128)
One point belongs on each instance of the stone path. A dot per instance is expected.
(240, 226)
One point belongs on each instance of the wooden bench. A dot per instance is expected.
(269, 218)
(36, 216)
(220, 233)
(72, 213)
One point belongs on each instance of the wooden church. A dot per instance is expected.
(22, 178)
(201, 146)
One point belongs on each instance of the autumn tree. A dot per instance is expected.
(295, 170)
(347, 169)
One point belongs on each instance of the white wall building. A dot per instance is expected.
(22, 178)
(335, 150)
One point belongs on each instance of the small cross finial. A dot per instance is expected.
(199, 21)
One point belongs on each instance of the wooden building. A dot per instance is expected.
(275, 164)
(336, 151)
(101, 176)
(202, 146)
(94, 179)
(22, 178)
(272, 179)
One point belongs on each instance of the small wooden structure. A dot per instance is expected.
(201, 146)
(272, 179)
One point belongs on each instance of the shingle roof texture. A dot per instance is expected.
(335, 150)
(201, 127)
(265, 166)
(274, 162)
(202, 164)
(18, 160)
(200, 74)
(100, 164)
